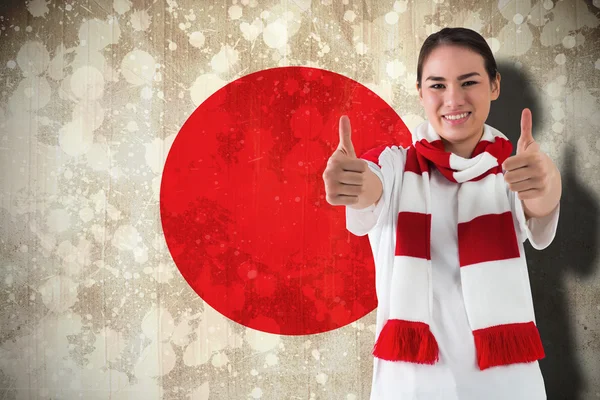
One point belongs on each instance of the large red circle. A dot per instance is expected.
(243, 207)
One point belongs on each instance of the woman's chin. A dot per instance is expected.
(458, 132)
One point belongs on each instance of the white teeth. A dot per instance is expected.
(459, 116)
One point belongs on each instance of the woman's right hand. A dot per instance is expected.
(348, 180)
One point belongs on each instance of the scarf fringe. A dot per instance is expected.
(508, 344)
(409, 341)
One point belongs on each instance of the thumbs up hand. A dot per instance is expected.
(344, 176)
(529, 172)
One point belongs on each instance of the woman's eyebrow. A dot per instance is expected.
(460, 78)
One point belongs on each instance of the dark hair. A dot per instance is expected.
(459, 37)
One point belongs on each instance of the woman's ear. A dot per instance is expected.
(496, 87)
(420, 93)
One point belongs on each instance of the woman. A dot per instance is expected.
(446, 219)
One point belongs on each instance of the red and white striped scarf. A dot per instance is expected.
(493, 272)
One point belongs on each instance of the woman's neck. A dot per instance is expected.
(464, 148)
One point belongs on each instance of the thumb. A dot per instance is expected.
(526, 141)
(345, 137)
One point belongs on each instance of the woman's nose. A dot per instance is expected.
(454, 96)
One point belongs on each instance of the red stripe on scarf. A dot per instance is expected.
(373, 154)
(415, 162)
(426, 153)
(409, 341)
(488, 237)
(508, 344)
(435, 153)
(413, 235)
(500, 148)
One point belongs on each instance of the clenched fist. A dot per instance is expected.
(344, 176)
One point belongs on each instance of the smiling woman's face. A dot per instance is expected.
(456, 94)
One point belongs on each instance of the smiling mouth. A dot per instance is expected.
(457, 117)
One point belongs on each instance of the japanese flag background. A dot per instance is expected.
(163, 227)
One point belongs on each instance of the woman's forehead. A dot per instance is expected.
(453, 60)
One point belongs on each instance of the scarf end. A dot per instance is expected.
(508, 344)
(408, 341)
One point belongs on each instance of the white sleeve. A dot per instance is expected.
(390, 167)
(539, 231)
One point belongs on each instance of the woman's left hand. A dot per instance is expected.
(529, 172)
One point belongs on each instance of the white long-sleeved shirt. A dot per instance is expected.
(456, 375)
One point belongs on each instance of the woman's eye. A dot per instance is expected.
(441, 86)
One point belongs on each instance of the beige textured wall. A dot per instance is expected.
(91, 303)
